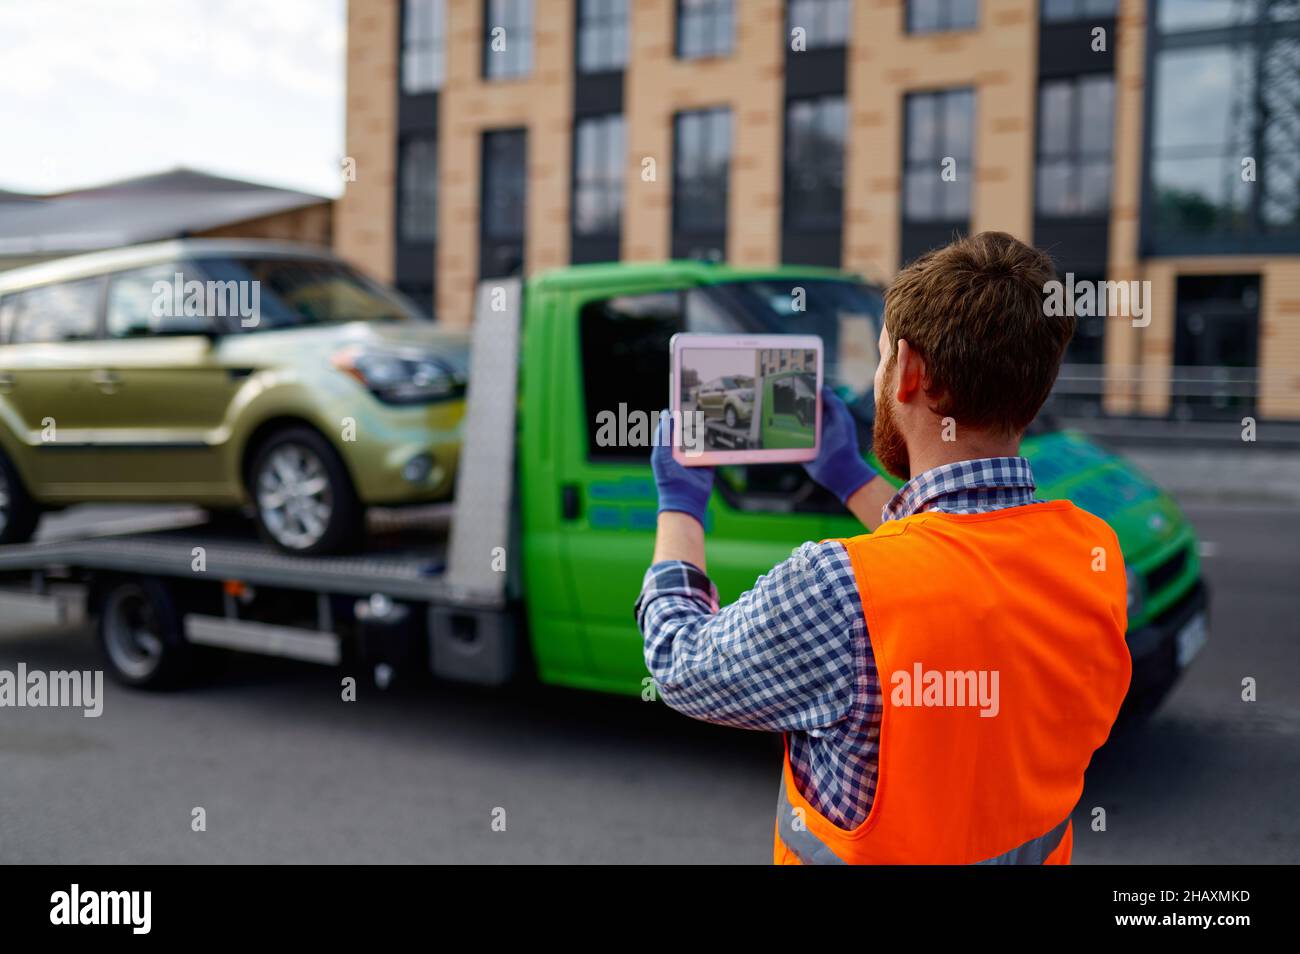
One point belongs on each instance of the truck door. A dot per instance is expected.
(620, 367)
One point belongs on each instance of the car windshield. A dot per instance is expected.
(844, 313)
(301, 292)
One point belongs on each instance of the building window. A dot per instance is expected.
(1216, 347)
(504, 199)
(504, 185)
(418, 194)
(814, 163)
(937, 166)
(1225, 132)
(705, 28)
(602, 35)
(424, 40)
(508, 39)
(1075, 127)
(701, 163)
(1065, 11)
(937, 16)
(598, 176)
(826, 23)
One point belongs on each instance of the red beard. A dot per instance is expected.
(887, 440)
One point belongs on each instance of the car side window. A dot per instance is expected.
(625, 361)
(147, 301)
(63, 311)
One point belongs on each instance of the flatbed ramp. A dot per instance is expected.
(407, 573)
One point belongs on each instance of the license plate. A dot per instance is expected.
(1190, 639)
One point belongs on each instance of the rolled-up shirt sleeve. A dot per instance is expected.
(781, 658)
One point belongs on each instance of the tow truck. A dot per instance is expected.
(533, 568)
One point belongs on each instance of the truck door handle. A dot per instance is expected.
(107, 381)
(570, 502)
(6, 382)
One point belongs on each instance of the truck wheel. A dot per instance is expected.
(140, 634)
(731, 416)
(18, 512)
(304, 497)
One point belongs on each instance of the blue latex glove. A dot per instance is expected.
(839, 466)
(685, 489)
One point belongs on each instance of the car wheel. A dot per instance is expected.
(18, 512)
(731, 416)
(140, 634)
(304, 497)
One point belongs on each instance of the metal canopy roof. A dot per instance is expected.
(145, 209)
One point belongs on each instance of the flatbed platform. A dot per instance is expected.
(402, 562)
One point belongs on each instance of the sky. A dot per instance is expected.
(97, 90)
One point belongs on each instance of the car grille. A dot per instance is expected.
(1168, 571)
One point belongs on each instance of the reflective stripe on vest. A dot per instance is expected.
(811, 850)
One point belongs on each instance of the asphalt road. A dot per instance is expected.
(288, 772)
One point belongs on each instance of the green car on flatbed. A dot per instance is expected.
(553, 520)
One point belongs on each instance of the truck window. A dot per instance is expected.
(625, 360)
(64, 311)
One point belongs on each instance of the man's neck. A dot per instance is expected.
(974, 447)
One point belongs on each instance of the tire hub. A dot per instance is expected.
(133, 633)
(293, 496)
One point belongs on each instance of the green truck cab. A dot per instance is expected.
(595, 346)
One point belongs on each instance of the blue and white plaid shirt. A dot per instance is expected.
(792, 655)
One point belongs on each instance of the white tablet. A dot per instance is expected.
(746, 399)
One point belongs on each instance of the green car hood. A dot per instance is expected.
(1069, 466)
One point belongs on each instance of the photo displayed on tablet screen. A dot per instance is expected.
(752, 399)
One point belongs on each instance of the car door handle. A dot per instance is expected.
(107, 381)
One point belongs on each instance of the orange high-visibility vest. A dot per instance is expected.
(973, 767)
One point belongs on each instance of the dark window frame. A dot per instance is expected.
(609, 177)
(407, 203)
(932, 163)
(686, 224)
(492, 240)
(1257, 36)
(792, 219)
(1077, 155)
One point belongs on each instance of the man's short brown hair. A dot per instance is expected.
(974, 311)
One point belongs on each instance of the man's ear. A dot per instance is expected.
(911, 372)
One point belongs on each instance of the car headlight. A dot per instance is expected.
(1135, 593)
(400, 377)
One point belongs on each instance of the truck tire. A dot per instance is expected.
(305, 501)
(731, 416)
(19, 514)
(140, 634)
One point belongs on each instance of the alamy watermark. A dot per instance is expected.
(34, 688)
(629, 427)
(195, 299)
(1084, 298)
(947, 688)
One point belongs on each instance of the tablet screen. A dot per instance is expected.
(756, 396)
